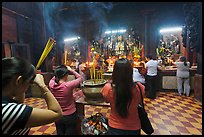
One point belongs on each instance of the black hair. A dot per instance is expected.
(149, 56)
(60, 72)
(16, 66)
(183, 59)
(122, 83)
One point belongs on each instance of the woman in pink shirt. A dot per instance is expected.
(124, 98)
(62, 89)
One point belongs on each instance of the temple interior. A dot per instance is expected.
(90, 37)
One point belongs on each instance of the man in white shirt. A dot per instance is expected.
(137, 77)
(151, 78)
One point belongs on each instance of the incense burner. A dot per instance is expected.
(92, 88)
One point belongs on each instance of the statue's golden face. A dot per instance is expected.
(120, 38)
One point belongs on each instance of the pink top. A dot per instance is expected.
(132, 122)
(63, 92)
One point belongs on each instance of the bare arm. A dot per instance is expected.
(77, 81)
(142, 88)
(159, 67)
(174, 63)
(43, 116)
(104, 91)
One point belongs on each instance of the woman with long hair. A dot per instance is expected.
(124, 97)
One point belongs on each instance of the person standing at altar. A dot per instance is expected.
(183, 75)
(151, 76)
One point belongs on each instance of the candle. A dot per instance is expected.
(91, 73)
(65, 57)
(94, 71)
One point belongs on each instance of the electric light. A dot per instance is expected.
(170, 29)
(71, 39)
(115, 31)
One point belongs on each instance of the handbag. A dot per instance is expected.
(146, 125)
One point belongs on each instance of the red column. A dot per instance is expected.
(89, 51)
(142, 54)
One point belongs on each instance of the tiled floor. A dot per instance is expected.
(169, 113)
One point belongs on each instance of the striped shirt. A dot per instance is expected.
(14, 117)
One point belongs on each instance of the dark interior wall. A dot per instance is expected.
(153, 35)
(8, 21)
(199, 56)
(17, 31)
(26, 24)
(23, 24)
(193, 23)
(39, 33)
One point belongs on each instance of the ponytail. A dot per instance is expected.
(60, 72)
(185, 64)
(56, 79)
(183, 59)
(16, 66)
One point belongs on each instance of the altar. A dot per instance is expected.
(167, 80)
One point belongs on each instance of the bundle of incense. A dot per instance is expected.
(49, 45)
(91, 72)
(65, 57)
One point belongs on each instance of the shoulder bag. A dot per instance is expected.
(146, 125)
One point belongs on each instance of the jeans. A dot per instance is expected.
(114, 131)
(67, 125)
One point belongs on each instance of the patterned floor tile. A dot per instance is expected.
(169, 113)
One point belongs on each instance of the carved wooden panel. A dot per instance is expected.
(9, 30)
(198, 87)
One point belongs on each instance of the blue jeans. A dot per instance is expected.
(67, 125)
(114, 131)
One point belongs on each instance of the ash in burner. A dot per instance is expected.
(95, 82)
